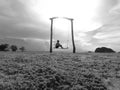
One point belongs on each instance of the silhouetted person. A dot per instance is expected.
(58, 44)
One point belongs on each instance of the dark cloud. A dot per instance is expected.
(18, 23)
(17, 26)
(104, 9)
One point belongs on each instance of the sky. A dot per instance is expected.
(26, 22)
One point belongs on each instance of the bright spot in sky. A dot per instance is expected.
(82, 11)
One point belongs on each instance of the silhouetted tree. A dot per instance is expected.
(13, 48)
(4, 47)
(104, 50)
(22, 49)
(89, 51)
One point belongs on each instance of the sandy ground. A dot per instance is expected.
(59, 71)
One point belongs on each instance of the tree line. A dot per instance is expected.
(14, 48)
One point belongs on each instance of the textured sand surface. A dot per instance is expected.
(59, 71)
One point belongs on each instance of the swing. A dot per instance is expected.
(72, 33)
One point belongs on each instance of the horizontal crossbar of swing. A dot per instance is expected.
(62, 17)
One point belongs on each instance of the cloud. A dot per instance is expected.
(107, 35)
(116, 8)
(109, 31)
(24, 20)
(16, 21)
(18, 25)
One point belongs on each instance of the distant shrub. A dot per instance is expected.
(4, 47)
(13, 48)
(89, 51)
(22, 49)
(104, 50)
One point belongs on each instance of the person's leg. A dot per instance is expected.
(56, 46)
(61, 46)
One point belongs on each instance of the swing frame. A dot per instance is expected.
(51, 32)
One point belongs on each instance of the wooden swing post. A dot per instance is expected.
(74, 49)
(51, 35)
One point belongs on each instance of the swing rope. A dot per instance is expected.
(68, 39)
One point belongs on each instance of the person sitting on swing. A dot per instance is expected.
(58, 44)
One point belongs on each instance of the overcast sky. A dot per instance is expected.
(96, 22)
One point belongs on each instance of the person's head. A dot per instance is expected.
(58, 41)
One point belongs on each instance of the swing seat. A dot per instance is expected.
(61, 48)
(65, 48)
